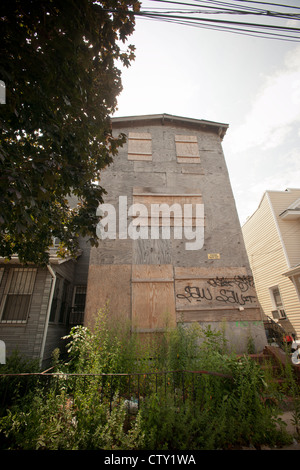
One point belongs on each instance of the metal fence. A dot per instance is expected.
(133, 388)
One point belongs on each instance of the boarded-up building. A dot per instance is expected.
(183, 265)
(272, 238)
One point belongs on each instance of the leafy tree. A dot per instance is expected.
(59, 62)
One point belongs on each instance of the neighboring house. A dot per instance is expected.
(160, 278)
(272, 239)
(39, 305)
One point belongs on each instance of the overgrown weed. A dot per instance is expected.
(175, 411)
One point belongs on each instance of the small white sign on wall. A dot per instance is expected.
(2, 352)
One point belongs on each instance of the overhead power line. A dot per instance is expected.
(271, 23)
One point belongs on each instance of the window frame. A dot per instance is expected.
(61, 302)
(278, 308)
(7, 294)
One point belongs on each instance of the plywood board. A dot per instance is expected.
(108, 284)
(148, 199)
(188, 159)
(152, 271)
(139, 146)
(140, 157)
(185, 138)
(187, 150)
(153, 302)
(151, 251)
(165, 210)
(218, 315)
(214, 294)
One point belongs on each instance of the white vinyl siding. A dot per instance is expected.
(268, 252)
(289, 229)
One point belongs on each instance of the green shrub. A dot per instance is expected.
(177, 411)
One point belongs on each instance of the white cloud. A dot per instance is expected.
(275, 110)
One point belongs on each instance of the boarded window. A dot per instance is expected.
(165, 209)
(187, 150)
(17, 295)
(153, 303)
(139, 146)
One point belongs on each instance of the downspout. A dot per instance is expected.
(48, 312)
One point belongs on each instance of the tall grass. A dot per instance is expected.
(208, 412)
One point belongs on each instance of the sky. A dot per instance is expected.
(251, 84)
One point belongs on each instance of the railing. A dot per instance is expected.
(274, 331)
(131, 387)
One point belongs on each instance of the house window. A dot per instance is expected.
(79, 298)
(55, 300)
(156, 213)
(187, 150)
(17, 295)
(61, 301)
(139, 146)
(278, 311)
(65, 302)
(78, 305)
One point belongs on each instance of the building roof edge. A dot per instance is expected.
(220, 127)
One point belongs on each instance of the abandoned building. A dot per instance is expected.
(157, 263)
(171, 251)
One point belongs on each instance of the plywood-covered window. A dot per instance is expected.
(17, 295)
(153, 303)
(166, 209)
(139, 146)
(187, 150)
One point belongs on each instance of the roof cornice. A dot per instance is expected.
(219, 128)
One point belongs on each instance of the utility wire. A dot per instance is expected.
(217, 21)
(190, 17)
(267, 3)
(228, 7)
(265, 35)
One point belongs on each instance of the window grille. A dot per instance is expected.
(17, 295)
(78, 306)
